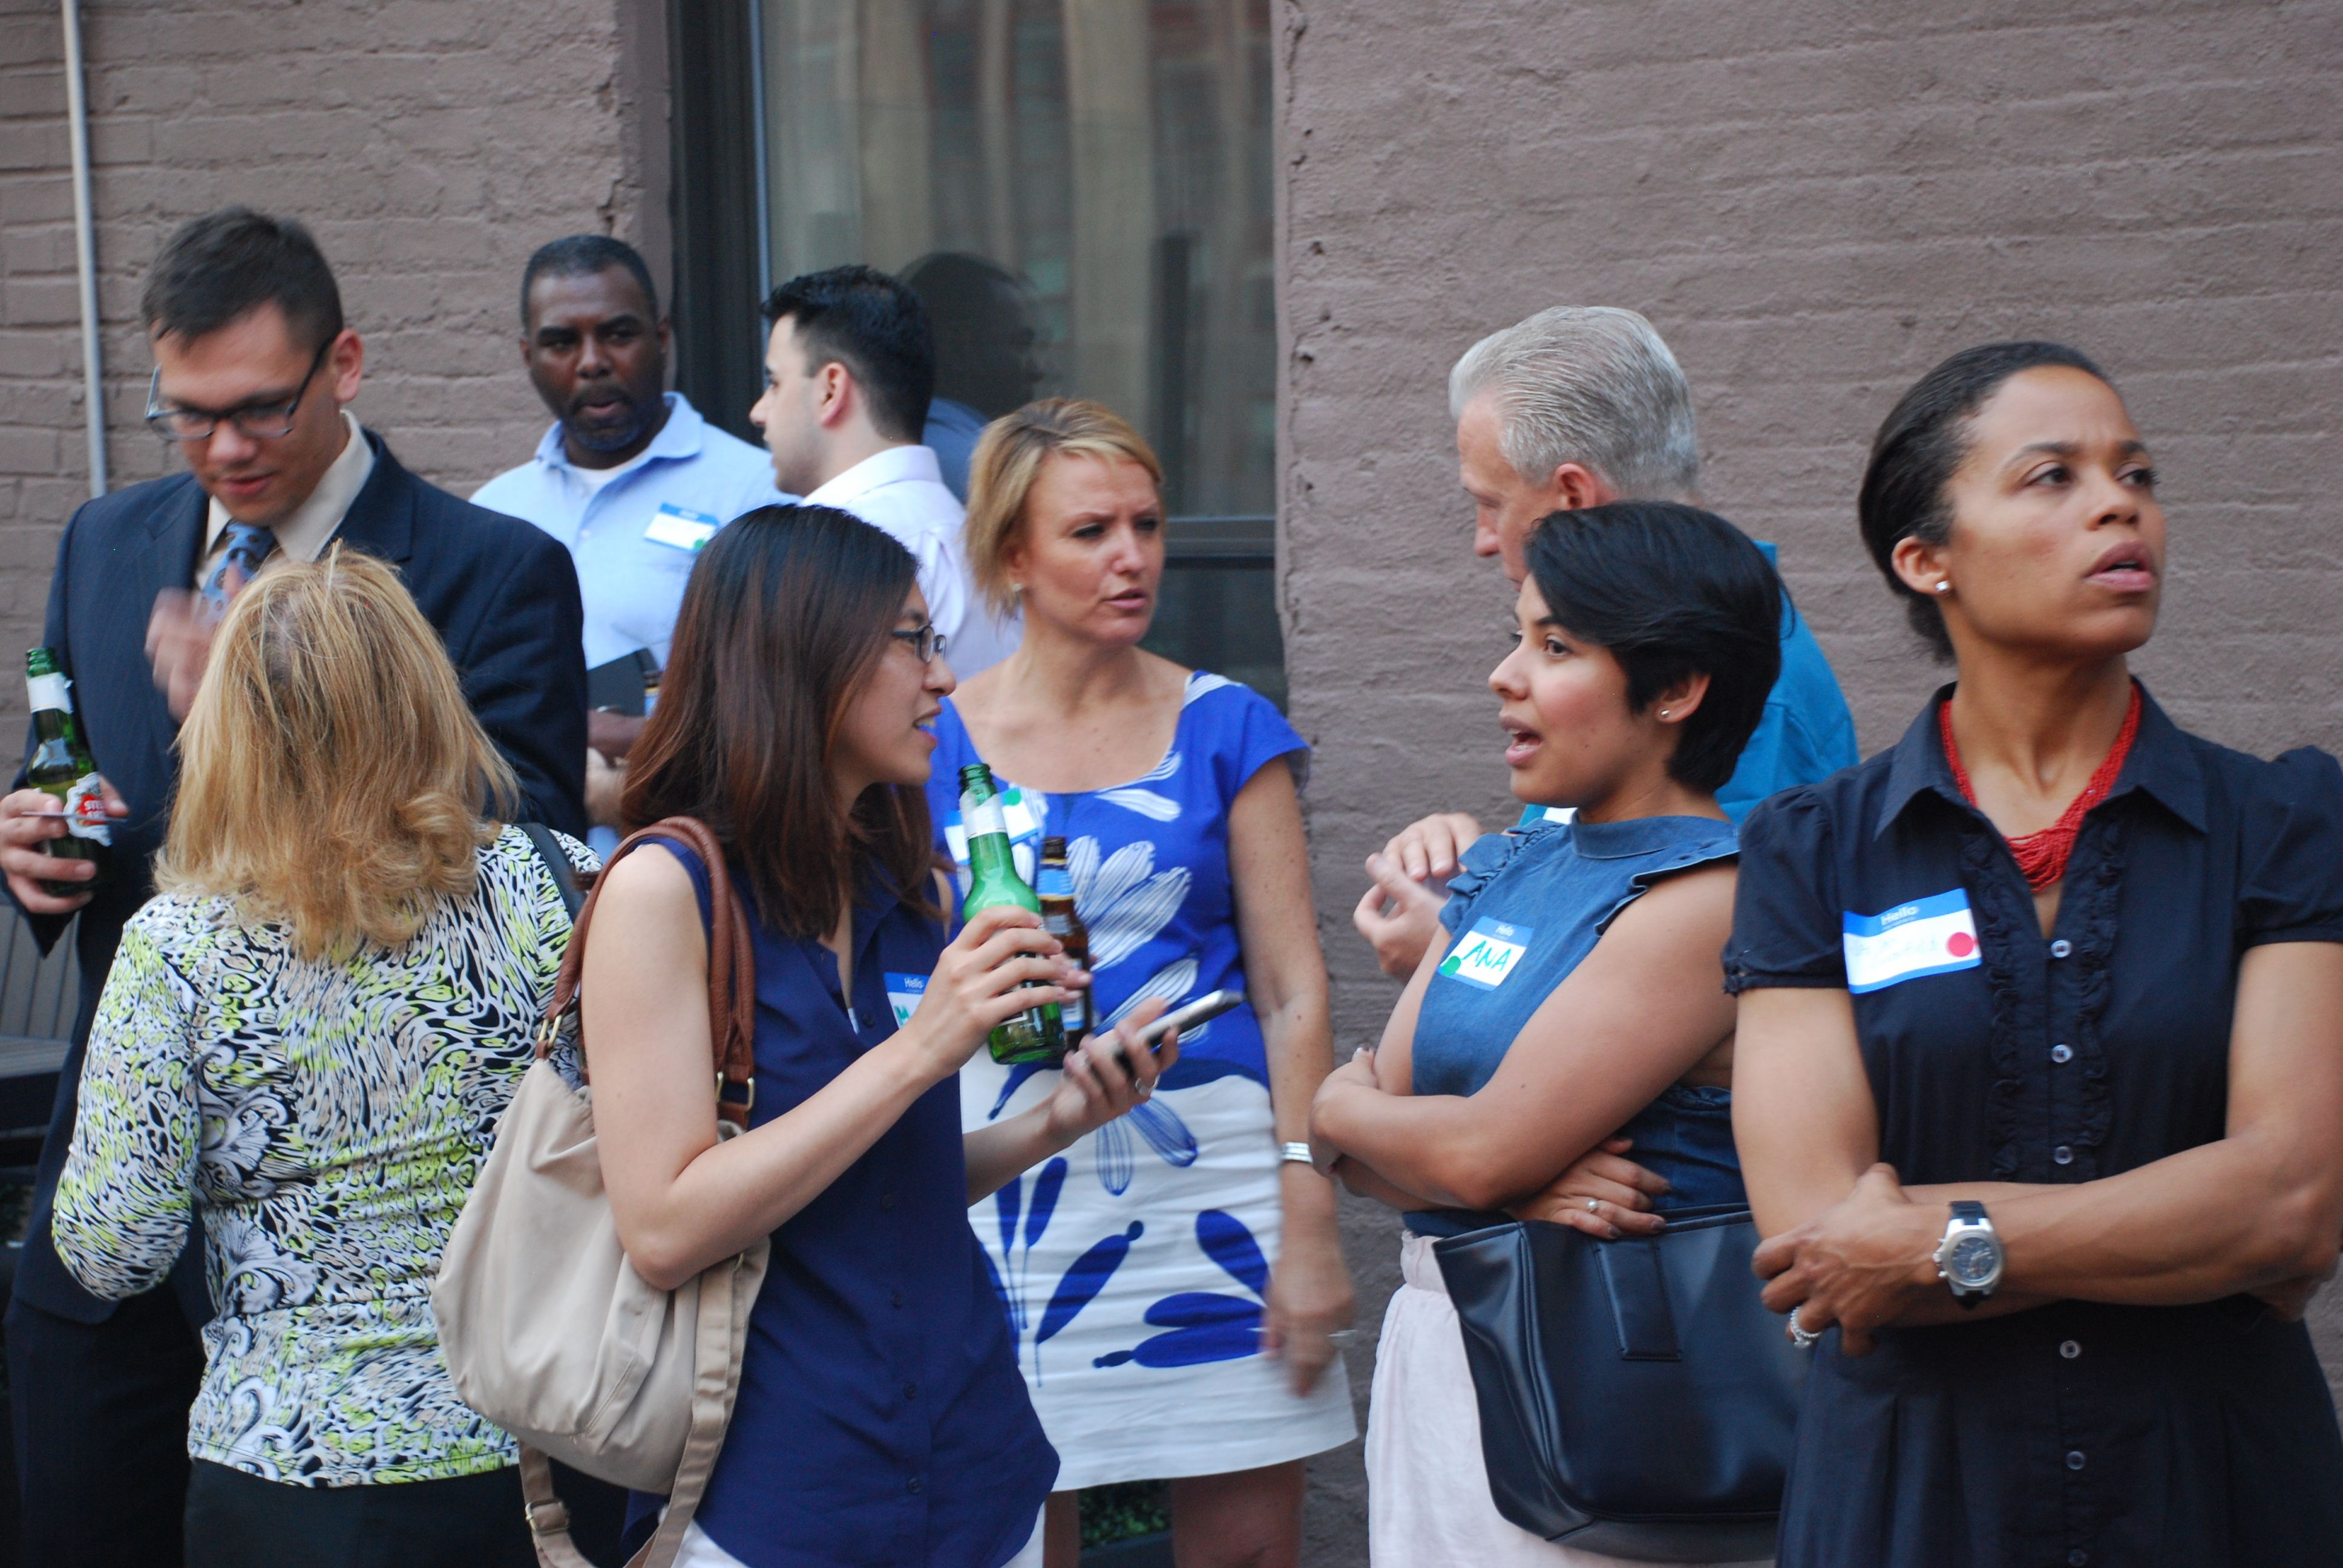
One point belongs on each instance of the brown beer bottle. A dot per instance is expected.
(1055, 884)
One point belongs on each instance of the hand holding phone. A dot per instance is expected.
(1210, 1005)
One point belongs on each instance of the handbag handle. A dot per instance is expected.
(731, 968)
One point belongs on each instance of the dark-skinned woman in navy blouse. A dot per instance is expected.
(881, 1422)
(2039, 1082)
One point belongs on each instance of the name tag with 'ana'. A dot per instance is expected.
(1930, 936)
(1488, 953)
(680, 529)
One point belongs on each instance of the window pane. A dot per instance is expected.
(1109, 158)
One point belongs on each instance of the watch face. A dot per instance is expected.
(1972, 1260)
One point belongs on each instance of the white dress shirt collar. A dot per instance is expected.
(894, 465)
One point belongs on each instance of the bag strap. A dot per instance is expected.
(557, 866)
(716, 1383)
(548, 1515)
(731, 968)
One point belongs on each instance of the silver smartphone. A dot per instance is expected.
(1210, 1005)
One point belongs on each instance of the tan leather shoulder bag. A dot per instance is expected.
(548, 1330)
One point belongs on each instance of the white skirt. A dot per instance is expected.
(1428, 1503)
(1132, 1270)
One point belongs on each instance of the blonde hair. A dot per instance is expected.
(332, 777)
(1008, 459)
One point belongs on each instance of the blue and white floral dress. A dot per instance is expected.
(1134, 1266)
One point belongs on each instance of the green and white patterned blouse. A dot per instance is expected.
(326, 1118)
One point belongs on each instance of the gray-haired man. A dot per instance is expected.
(1575, 407)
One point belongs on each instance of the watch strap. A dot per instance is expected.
(1968, 1211)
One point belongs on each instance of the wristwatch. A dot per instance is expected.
(1969, 1257)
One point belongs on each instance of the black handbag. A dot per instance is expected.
(1636, 1397)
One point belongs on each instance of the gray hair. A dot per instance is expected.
(1591, 385)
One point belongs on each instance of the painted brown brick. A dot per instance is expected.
(1813, 203)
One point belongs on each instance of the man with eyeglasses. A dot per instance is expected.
(253, 366)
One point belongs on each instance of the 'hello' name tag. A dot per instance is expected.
(1930, 936)
(679, 528)
(903, 994)
(1488, 953)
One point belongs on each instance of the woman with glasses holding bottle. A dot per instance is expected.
(881, 1420)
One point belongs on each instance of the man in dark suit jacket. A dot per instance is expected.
(253, 367)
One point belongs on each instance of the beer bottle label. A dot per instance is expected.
(982, 817)
(48, 691)
(86, 810)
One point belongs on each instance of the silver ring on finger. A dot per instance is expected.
(1800, 1335)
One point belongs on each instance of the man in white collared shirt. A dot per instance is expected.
(631, 481)
(849, 372)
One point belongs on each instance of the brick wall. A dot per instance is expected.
(1813, 200)
(431, 145)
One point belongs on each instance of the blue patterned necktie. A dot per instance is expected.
(249, 544)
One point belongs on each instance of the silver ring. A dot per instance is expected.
(1593, 1206)
(1800, 1335)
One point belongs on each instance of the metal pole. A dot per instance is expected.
(85, 252)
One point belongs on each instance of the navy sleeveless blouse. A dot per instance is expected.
(882, 1421)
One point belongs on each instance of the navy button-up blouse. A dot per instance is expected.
(2075, 1432)
(881, 1422)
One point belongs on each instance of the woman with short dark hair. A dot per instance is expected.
(1580, 1005)
(2040, 1077)
(880, 1417)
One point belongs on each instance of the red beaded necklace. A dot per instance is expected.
(2042, 856)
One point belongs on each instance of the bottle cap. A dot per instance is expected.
(1053, 848)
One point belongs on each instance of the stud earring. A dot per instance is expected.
(1664, 713)
(1944, 588)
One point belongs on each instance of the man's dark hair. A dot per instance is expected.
(583, 255)
(227, 264)
(874, 325)
(1923, 440)
(1672, 592)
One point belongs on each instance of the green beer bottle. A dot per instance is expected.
(61, 765)
(1037, 1034)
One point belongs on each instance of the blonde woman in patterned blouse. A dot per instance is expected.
(306, 1040)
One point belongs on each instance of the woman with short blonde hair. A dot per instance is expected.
(306, 1039)
(1010, 457)
(1174, 1278)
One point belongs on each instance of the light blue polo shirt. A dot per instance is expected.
(634, 538)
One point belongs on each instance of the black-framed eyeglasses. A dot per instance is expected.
(255, 421)
(923, 639)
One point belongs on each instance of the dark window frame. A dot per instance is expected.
(718, 212)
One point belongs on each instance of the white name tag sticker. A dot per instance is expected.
(1017, 816)
(679, 528)
(903, 994)
(1930, 936)
(1487, 954)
